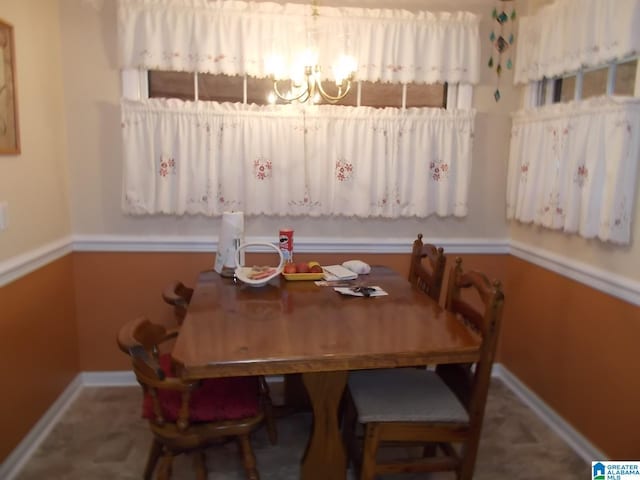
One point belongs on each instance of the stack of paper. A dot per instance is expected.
(373, 291)
(338, 272)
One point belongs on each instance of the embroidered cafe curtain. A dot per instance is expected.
(206, 158)
(573, 167)
(570, 34)
(236, 37)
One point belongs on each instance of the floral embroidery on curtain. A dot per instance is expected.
(573, 167)
(204, 158)
(571, 34)
(235, 37)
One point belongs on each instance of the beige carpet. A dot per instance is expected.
(102, 436)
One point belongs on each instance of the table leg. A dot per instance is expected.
(325, 458)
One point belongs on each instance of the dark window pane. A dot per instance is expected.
(626, 78)
(567, 89)
(258, 90)
(381, 94)
(594, 83)
(171, 85)
(426, 95)
(221, 88)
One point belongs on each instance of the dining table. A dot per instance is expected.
(234, 329)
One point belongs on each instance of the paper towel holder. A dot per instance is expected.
(229, 271)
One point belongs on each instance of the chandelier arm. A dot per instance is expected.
(340, 96)
(304, 94)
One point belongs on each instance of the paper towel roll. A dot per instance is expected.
(230, 237)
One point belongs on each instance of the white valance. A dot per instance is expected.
(573, 167)
(236, 37)
(570, 34)
(206, 158)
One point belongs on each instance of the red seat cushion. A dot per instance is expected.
(215, 399)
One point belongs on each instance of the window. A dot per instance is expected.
(615, 79)
(204, 157)
(225, 88)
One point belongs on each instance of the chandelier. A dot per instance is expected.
(305, 77)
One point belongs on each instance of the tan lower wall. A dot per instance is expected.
(577, 349)
(113, 288)
(39, 354)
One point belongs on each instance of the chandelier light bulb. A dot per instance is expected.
(344, 68)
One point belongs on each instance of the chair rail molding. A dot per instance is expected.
(602, 280)
(597, 278)
(25, 263)
(161, 243)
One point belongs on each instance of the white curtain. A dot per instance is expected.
(570, 34)
(205, 158)
(235, 37)
(573, 167)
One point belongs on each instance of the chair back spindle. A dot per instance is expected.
(427, 278)
(179, 296)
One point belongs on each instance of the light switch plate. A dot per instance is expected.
(4, 215)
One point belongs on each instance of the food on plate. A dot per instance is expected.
(301, 271)
(315, 268)
(258, 272)
(290, 268)
(302, 267)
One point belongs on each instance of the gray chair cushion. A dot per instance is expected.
(404, 395)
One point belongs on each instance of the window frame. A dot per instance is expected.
(546, 91)
(135, 86)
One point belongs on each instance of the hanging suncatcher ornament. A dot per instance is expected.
(502, 38)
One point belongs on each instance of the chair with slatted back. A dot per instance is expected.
(429, 277)
(189, 416)
(178, 295)
(442, 410)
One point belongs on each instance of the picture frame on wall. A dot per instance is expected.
(9, 128)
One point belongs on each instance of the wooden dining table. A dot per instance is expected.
(232, 329)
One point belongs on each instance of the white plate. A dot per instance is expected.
(242, 273)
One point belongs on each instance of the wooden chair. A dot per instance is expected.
(441, 410)
(187, 417)
(178, 295)
(428, 280)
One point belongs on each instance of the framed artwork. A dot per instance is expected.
(9, 132)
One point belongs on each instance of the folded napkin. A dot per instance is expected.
(338, 272)
(357, 266)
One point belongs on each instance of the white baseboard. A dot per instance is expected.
(30, 443)
(119, 378)
(583, 447)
